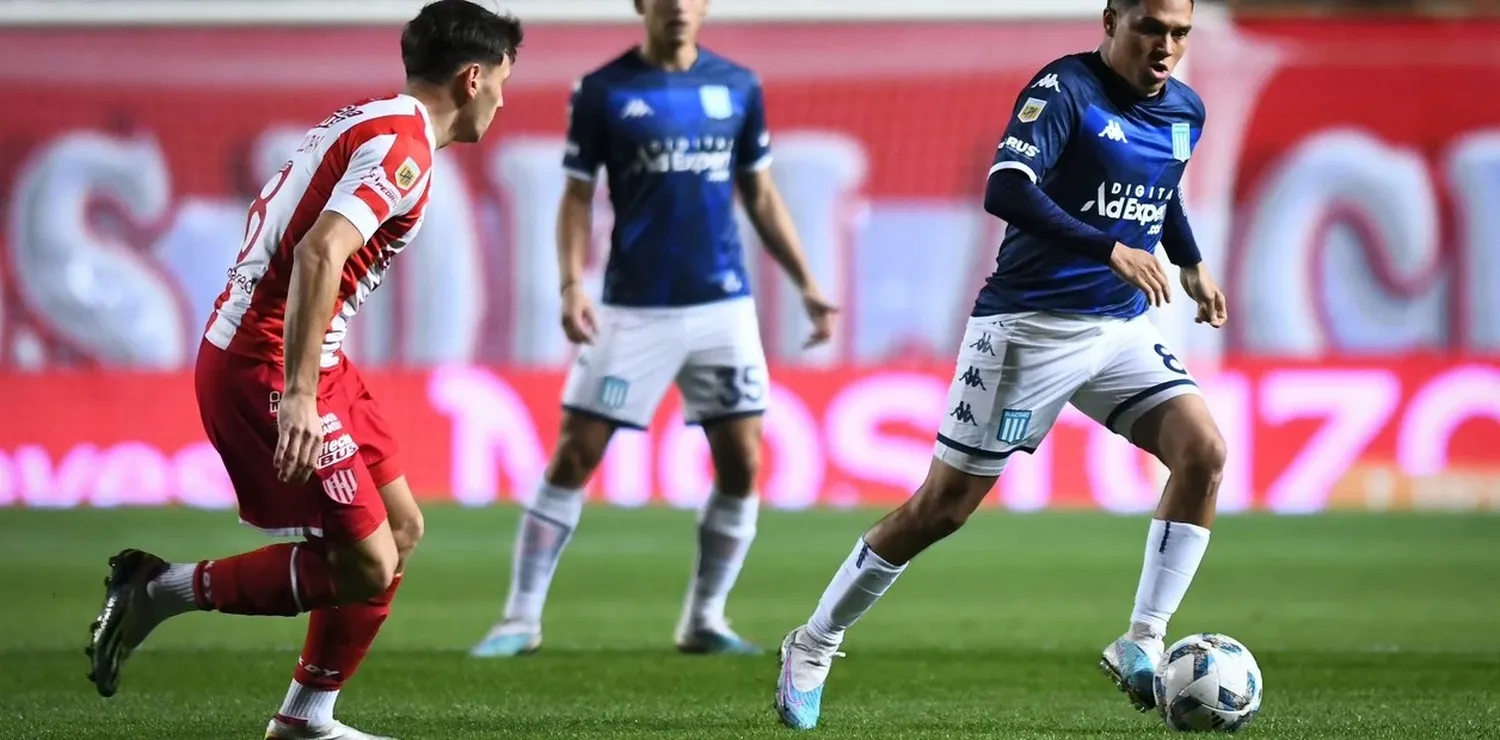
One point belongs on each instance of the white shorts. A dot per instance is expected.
(1016, 371)
(712, 352)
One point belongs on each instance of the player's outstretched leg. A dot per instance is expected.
(726, 528)
(546, 528)
(940, 506)
(143, 590)
(1182, 434)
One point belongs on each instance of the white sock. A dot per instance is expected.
(313, 706)
(1173, 552)
(171, 592)
(543, 533)
(726, 527)
(859, 583)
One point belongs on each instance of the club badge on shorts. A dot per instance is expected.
(1013, 426)
(613, 391)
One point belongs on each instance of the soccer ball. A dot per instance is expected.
(1208, 682)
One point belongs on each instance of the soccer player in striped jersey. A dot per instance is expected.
(302, 439)
(1088, 179)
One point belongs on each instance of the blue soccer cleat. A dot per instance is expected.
(714, 640)
(799, 687)
(509, 640)
(1131, 665)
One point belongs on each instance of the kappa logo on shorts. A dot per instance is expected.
(972, 378)
(337, 451)
(964, 413)
(1013, 426)
(613, 391)
(341, 486)
(982, 344)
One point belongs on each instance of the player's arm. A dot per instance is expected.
(582, 158)
(1182, 249)
(364, 198)
(772, 221)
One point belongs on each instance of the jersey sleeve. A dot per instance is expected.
(1039, 128)
(584, 151)
(754, 145)
(381, 179)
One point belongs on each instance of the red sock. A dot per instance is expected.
(338, 638)
(281, 580)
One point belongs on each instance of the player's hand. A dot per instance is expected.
(299, 437)
(823, 314)
(578, 319)
(1213, 308)
(1140, 268)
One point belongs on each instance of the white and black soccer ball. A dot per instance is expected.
(1208, 683)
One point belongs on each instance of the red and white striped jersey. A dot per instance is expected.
(370, 162)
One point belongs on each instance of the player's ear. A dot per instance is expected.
(469, 82)
(1111, 20)
(640, 7)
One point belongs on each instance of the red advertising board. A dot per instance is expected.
(1302, 437)
(1347, 194)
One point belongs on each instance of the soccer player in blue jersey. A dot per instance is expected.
(1087, 176)
(677, 130)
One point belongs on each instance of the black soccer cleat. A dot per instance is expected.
(124, 596)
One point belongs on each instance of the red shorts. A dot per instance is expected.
(237, 398)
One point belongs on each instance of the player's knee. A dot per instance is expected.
(364, 572)
(580, 449)
(1201, 456)
(736, 464)
(940, 509)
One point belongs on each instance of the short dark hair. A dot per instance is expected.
(1119, 5)
(448, 34)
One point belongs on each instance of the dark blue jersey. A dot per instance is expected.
(671, 144)
(1108, 157)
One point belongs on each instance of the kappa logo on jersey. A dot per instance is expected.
(336, 451)
(1023, 148)
(1049, 82)
(407, 174)
(341, 486)
(1113, 132)
(708, 156)
(1144, 205)
(1031, 110)
(636, 108)
(1013, 426)
(716, 101)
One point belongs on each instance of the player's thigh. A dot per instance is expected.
(724, 376)
(621, 377)
(1014, 374)
(379, 451)
(1141, 375)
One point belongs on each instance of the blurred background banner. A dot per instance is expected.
(1347, 195)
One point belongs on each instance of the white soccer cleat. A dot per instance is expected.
(1131, 665)
(334, 730)
(799, 687)
(509, 639)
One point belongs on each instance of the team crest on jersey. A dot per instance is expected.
(1182, 142)
(407, 174)
(1031, 111)
(716, 102)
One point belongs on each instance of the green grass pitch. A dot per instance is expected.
(1366, 626)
